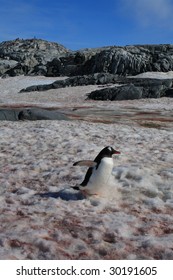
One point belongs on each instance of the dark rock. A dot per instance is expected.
(39, 57)
(30, 55)
(169, 92)
(94, 79)
(72, 63)
(6, 65)
(17, 70)
(37, 88)
(54, 68)
(152, 88)
(135, 88)
(117, 93)
(128, 60)
(109, 237)
(131, 60)
(129, 87)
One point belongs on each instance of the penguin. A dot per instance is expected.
(99, 173)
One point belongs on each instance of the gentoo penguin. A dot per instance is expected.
(99, 173)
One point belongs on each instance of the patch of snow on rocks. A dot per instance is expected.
(156, 75)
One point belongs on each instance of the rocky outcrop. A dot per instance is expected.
(95, 79)
(127, 92)
(135, 88)
(7, 65)
(129, 60)
(132, 60)
(126, 87)
(28, 57)
(39, 57)
(73, 63)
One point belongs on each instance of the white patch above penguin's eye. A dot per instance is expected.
(110, 149)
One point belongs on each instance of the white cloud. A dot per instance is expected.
(150, 12)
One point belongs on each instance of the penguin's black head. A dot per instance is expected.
(106, 152)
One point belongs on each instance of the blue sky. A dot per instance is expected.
(86, 24)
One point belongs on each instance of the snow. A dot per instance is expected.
(156, 75)
(133, 221)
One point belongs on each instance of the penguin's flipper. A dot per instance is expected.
(88, 163)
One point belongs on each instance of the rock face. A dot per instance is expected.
(99, 66)
(128, 92)
(129, 60)
(28, 56)
(39, 57)
(132, 60)
(73, 63)
(135, 88)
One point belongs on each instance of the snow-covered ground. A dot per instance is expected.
(135, 218)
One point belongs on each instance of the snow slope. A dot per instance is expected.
(42, 218)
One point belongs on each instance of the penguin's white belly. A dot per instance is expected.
(101, 177)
